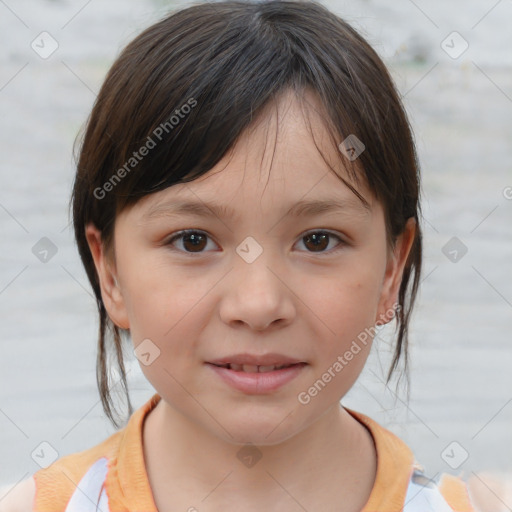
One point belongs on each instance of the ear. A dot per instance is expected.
(109, 285)
(397, 258)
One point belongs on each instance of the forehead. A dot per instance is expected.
(286, 156)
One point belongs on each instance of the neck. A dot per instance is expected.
(334, 454)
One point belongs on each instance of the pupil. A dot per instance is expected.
(318, 239)
(195, 239)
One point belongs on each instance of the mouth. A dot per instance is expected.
(257, 379)
(252, 368)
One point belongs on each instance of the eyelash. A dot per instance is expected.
(183, 233)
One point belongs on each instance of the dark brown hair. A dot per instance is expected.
(225, 61)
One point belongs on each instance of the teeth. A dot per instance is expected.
(252, 368)
(263, 369)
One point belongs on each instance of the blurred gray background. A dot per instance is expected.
(452, 62)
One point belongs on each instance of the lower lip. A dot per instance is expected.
(258, 383)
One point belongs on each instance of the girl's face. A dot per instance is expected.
(261, 279)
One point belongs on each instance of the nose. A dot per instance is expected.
(257, 295)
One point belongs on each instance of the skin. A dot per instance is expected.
(292, 300)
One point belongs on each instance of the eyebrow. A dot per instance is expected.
(302, 208)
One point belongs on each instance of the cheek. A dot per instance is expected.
(169, 311)
(349, 300)
(168, 307)
(347, 307)
(344, 341)
(151, 290)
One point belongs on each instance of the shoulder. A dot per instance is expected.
(482, 492)
(490, 491)
(56, 484)
(19, 498)
(398, 471)
(444, 494)
(455, 492)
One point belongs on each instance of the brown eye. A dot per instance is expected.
(195, 242)
(192, 241)
(318, 241)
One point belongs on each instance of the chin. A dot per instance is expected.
(261, 429)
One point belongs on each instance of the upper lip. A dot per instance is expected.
(255, 360)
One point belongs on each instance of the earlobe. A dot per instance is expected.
(109, 285)
(394, 271)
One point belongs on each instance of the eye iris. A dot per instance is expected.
(318, 240)
(195, 238)
(197, 241)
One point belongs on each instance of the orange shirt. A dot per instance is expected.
(128, 490)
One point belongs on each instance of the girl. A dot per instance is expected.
(246, 206)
